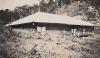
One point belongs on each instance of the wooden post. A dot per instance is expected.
(74, 32)
(83, 31)
(33, 23)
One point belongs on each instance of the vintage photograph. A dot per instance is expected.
(49, 28)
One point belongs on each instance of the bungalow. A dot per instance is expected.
(45, 21)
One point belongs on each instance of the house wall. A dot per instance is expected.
(56, 27)
(63, 27)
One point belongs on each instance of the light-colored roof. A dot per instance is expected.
(51, 18)
(78, 17)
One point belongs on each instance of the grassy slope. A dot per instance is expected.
(56, 45)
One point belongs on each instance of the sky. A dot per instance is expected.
(11, 4)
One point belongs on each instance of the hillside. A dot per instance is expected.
(31, 44)
(87, 10)
(27, 43)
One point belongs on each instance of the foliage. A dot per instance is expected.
(6, 35)
(5, 15)
(69, 7)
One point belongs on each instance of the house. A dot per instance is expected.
(45, 21)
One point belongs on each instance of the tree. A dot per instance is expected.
(5, 15)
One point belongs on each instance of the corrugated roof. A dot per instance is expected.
(51, 18)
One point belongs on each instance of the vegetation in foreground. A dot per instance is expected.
(31, 44)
